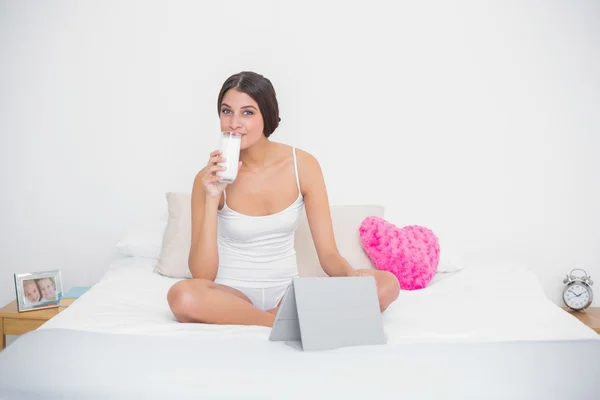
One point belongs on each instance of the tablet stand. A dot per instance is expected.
(324, 313)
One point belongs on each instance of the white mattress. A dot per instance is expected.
(484, 304)
(120, 340)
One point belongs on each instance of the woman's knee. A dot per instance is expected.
(388, 289)
(184, 297)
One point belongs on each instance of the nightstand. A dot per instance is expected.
(590, 317)
(13, 322)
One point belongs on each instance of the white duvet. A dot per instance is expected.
(484, 304)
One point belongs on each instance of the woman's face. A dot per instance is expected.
(240, 113)
(47, 289)
(31, 292)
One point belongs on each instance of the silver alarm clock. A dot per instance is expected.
(578, 294)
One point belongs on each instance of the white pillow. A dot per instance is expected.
(450, 261)
(177, 239)
(346, 221)
(143, 241)
(451, 258)
(173, 260)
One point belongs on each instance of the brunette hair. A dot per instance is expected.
(261, 90)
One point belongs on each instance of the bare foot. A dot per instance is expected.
(273, 310)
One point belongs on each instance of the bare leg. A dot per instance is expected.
(274, 310)
(388, 288)
(201, 300)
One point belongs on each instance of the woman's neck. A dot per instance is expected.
(256, 156)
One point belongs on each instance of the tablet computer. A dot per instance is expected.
(323, 313)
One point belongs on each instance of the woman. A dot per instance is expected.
(242, 255)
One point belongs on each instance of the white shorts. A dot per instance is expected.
(263, 298)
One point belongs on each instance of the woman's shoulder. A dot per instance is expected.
(307, 161)
(309, 169)
(303, 156)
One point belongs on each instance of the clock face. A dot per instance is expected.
(576, 296)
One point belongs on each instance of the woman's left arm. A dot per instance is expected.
(318, 214)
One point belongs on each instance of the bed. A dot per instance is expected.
(485, 331)
(461, 337)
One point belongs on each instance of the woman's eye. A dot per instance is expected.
(225, 111)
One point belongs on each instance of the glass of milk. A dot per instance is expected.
(230, 149)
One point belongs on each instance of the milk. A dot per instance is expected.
(230, 149)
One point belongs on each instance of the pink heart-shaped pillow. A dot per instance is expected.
(411, 253)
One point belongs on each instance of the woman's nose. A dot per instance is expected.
(234, 122)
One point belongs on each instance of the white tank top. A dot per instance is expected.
(258, 251)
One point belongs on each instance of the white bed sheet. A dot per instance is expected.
(484, 304)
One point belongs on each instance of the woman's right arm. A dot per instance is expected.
(203, 260)
(204, 256)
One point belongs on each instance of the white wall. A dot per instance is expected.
(478, 120)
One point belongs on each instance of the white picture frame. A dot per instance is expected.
(38, 290)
